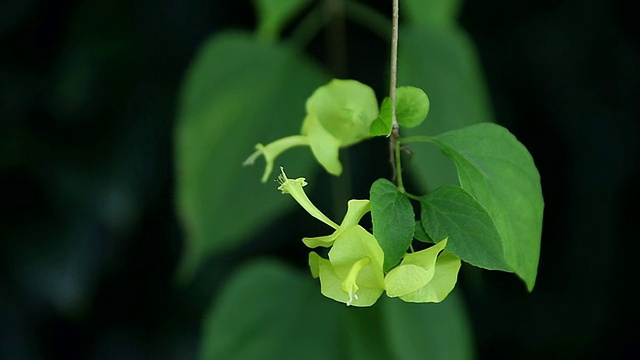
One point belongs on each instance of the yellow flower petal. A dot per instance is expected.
(443, 282)
(272, 150)
(355, 211)
(294, 187)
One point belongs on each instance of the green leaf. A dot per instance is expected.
(432, 12)
(366, 336)
(236, 93)
(452, 212)
(428, 331)
(269, 311)
(412, 106)
(499, 172)
(273, 15)
(393, 221)
(381, 126)
(421, 235)
(444, 63)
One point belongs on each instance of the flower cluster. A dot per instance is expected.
(353, 272)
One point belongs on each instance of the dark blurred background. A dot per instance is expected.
(89, 236)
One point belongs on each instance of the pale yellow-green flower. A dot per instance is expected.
(294, 187)
(443, 281)
(355, 210)
(338, 114)
(273, 150)
(353, 273)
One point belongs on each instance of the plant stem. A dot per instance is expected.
(413, 139)
(394, 64)
(398, 168)
(413, 197)
(393, 78)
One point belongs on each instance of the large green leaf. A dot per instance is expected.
(428, 331)
(237, 93)
(442, 62)
(269, 311)
(499, 172)
(393, 221)
(431, 12)
(451, 212)
(366, 336)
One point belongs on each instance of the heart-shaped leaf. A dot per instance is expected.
(451, 212)
(393, 221)
(499, 172)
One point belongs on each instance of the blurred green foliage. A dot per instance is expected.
(238, 92)
(224, 111)
(89, 240)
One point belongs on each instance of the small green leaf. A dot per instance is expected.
(393, 220)
(273, 15)
(452, 212)
(412, 106)
(270, 311)
(421, 235)
(381, 126)
(499, 172)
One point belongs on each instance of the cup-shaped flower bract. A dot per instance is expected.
(428, 275)
(324, 146)
(339, 114)
(353, 273)
(443, 281)
(345, 109)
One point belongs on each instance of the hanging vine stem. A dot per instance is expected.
(394, 149)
